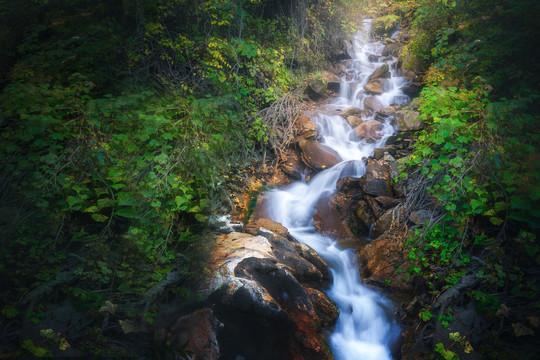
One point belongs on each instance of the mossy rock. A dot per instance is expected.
(384, 26)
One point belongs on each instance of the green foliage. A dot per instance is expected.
(120, 122)
(476, 155)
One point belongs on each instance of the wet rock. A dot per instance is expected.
(387, 221)
(253, 227)
(325, 309)
(380, 72)
(292, 164)
(258, 290)
(304, 127)
(408, 120)
(373, 58)
(377, 260)
(333, 83)
(379, 153)
(347, 184)
(392, 49)
(338, 69)
(420, 217)
(352, 111)
(311, 255)
(199, 330)
(375, 87)
(317, 155)
(261, 209)
(331, 218)
(372, 103)
(354, 121)
(387, 202)
(412, 89)
(369, 131)
(316, 90)
(376, 180)
(365, 217)
(383, 114)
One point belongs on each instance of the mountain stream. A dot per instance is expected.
(365, 328)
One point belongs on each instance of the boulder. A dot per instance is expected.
(199, 330)
(392, 49)
(347, 184)
(317, 155)
(375, 87)
(365, 217)
(408, 120)
(380, 72)
(316, 90)
(377, 260)
(379, 153)
(376, 180)
(354, 121)
(387, 221)
(412, 89)
(338, 69)
(331, 218)
(373, 58)
(253, 227)
(261, 291)
(352, 111)
(304, 128)
(333, 83)
(372, 103)
(261, 209)
(325, 309)
(369, 131)
(292, 165)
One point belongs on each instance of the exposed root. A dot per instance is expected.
(279, 120)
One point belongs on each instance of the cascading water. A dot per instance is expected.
(365, 328)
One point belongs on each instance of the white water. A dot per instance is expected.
(365, 328)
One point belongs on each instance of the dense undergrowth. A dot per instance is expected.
(478, 159)
(120, 124)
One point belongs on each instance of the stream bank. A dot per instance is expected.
(264, 293)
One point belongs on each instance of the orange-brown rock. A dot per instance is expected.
(333, 83)
(292, 164)
(353, 120)
(373, 104)
(261, 208)
(352, 111)
(317, 155)
(199, 330)
(325, 309)
(381, 72)
(331, 218)
(304, 127)
(375, 87)
(369, 130)
(376, 180)
(377, 260)
(258, 290)
(253, 227)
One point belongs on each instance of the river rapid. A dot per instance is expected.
(366, 328)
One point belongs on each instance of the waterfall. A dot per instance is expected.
(365, 328)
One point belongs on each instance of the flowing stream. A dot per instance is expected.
(365, 328)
